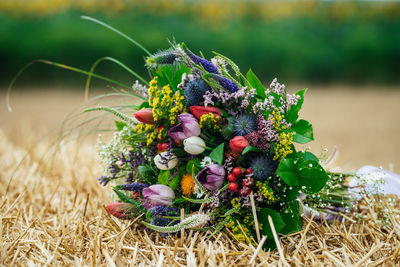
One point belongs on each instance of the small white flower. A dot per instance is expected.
(206, 161)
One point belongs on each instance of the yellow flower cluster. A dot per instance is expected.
(240, 232)
(266, 192)
(284, 148)
(210, 121)
(187, 184)
(165, 103)
(152, 130)
(277, 119)
(235, 203)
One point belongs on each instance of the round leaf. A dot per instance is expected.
(312, 176)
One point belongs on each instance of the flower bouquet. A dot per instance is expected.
(211, 148)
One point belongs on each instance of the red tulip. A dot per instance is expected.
(238, 143)
(145, 115)
(119, 210)
(199, 111)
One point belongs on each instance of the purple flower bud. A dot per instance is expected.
(157, 195)
(207, 65)
(226, 83)
(211, 177)
(188, 127)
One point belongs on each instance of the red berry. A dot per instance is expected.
(231, 177)
(248, 171)
(247, 183)
(164, 146)
(244, 191)
(237, 171)
(159, 147)
(233, 186)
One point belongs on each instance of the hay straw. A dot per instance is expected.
(53, 215)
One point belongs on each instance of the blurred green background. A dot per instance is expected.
(313, 42)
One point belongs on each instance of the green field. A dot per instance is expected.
(354, 43)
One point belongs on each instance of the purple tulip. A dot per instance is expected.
(211, 177)
(187, 128)
(157, 195)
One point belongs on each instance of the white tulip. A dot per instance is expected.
(194, 145)
(172, 161)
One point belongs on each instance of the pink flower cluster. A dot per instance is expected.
(263, 135)
(242, 97)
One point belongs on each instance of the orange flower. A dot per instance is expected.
(187, 184)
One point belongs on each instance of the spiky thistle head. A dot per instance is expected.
(263, 167)
(244, 124)
(162, 58)
(195, 90)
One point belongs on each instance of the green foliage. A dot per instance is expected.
(279, 224)
(302, 132)
(250, 149)
(217, 154)
(312, 176)
(315, 48)
(147, 174)
(293, 112)
(290, 215)
(171, 75)
(165, 178)
(287, 170)
(124, 198)
(120, 125)
(255, 83)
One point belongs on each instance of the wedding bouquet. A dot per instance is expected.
(210, 147)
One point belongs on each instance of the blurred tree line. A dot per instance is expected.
(306, 42)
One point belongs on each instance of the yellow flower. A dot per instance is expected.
(210, 121)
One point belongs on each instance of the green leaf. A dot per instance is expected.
(302, 132)
(291, 194)
(293, 113)
(147, 174)
(306, 156)
(227, 130)
(255, 83)
(276, 218)
(163, 177)
(291, 216)
(193, 165)
(312, 176)
(287, 170)
(120, 125)
(217, 154)
(250, 149)
(124, 198)
(199, 201)
(144, 105)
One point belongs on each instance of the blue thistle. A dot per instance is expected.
(194, 91)
(162, 58)
(244, 124)
(263, 167)
(207, 65)
(138, 187)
